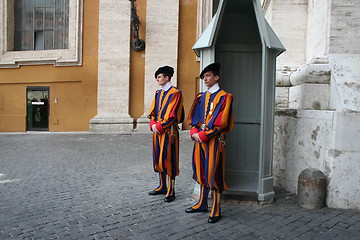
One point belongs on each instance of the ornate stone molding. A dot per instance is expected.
(316, 71)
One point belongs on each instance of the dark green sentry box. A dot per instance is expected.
(243, 42)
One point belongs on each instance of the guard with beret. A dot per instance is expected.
(210, 117)
(166, 112)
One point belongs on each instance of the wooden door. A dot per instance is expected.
(241, 76)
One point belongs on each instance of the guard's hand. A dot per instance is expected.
(196, 137)
(154, 129)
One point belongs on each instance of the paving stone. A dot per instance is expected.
(85, 186)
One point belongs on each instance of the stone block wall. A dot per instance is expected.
(345, 82)
(344, 162)
(317, 123)
(344, 27)
(325, 140)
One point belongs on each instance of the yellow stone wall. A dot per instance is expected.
(75, 87)
(137, 66)
(188, 67)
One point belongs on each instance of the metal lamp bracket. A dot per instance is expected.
(138, 44)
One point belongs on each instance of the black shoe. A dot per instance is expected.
(193, 210)
(154, 192)
(169, 198)
(213, 219)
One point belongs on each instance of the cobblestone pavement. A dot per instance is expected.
(84, 186)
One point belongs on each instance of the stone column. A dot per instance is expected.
(162, 27)
(113, 69)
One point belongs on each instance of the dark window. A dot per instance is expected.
(41, 24)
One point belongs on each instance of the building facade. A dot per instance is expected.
(78, 86)
(318, 95)
(70, 65)
(48, 65)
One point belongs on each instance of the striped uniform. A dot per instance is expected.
(166, 112)
(210, 116)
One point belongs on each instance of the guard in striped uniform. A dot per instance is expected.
(166, 112)
(211, 117)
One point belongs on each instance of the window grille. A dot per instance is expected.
(41, 24)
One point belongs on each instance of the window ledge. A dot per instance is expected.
(63, 57)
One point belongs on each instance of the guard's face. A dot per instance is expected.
(210, 79)
(161, 79)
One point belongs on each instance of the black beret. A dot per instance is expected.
(166, 70)
(213, 67)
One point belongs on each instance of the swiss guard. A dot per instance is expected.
(210, 117)
(166, 112)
